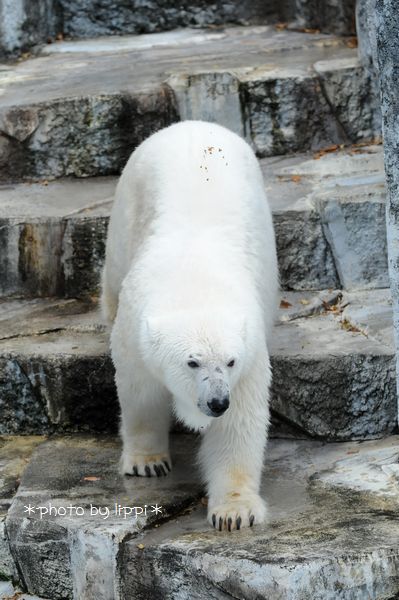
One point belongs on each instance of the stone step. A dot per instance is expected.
(329, 216)
(332, 529)
(26, 26)
(81, 107)
(332, 356)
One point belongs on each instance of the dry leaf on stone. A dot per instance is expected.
(296, 178)
(285, 304)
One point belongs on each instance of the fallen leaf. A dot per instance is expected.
(285, 304)
(296, 178)
(91, 478)
(352, 42)
(327, 150)
(304, 301)
(141, 546)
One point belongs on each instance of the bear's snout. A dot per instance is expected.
(218, 406)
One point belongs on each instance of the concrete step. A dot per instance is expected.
(332, 356)
(332, 529)
(81, 107)
(329, 216)
(26, 26)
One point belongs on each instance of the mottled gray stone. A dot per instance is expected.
(330, 534)
(386, 23)
(52, 237)
(352, 94)
(15, 453)
(24, 24)
(328, 216)
(209, 97)
(81, 108)
(329, 219)
(334, 104)
(76, 556)
(331, 16)
(332, 378)
(331, 525)
(90, 18)
(55, 369)
(82, 136)
(305, 259)
(355, 230)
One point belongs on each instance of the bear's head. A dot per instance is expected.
(199, 358)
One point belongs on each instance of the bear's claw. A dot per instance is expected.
(146, 466)
(243, 511)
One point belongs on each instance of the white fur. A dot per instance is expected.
(191, 274)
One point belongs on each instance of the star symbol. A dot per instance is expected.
(29, 509)
(156, 509)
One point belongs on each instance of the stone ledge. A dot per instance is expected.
(332, 526)
(82, 108)
(329, 216)
(333, 366)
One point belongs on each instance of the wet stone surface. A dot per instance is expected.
(68, 544)
(332, 525)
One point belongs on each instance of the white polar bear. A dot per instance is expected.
(190, 281)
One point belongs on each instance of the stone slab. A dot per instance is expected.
(74, 552)
(331, 534)
(332, 377)
(15, 453)
(332, 526)
(81, 108)
(329, 217)
(332, 356)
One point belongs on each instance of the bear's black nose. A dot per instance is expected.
(219, 405)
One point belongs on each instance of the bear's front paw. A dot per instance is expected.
(238, 511)
(146, 465)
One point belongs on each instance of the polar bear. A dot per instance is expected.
(190, 283)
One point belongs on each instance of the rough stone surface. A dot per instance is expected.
(328, 216)
(90, 18)
(81, 108)
(302, 111)
(55, 370)
(52, 237)
(332, 526)
(329, 219)
(76, 555)
(24, 24)
(333, 377)
(331, 534)
(386, 23)
(330, 16)
(15, 453)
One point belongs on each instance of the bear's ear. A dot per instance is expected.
(152, 330)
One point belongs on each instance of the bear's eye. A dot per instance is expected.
(231, 363)
(193, 364)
